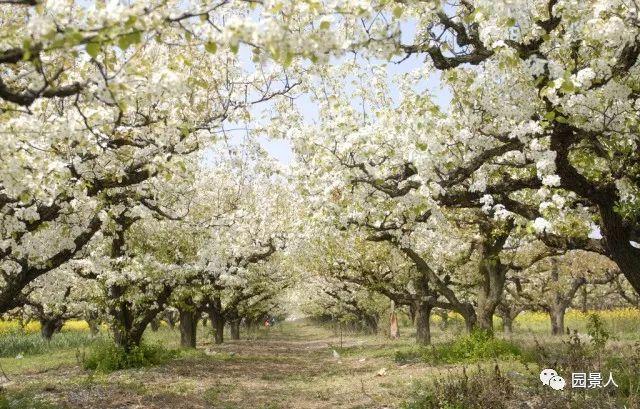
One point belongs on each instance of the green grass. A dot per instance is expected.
(39, 363)
(17, 343)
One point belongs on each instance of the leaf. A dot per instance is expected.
(325, 25)
(74, 37)
(562, 120)
(567, 86)
(130, 21)
(26, 46)
(397, 11)
(550, 115)
(128, 39)
(288, 59)
(211, 47)
(93, 49)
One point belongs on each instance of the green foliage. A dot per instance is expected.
(128, 39)
(597, 331)
(477, 346)
(626, 370)
(463, 391)
(16, 342)
(108, 357)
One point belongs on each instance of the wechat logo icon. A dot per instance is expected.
(550, 377)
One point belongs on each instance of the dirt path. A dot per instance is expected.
(284, 371)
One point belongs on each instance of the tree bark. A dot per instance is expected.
(217, 319)
(490, 291)
(618, 234)
(492, 273)
(412, 312)
(557, 320)
(188, 327)
(129, 325)
(394, 330)
(585, 300)
(234, 327)
(129, 338)
(470, 319)
(423, 324)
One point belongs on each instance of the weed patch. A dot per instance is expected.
(475, 347)
(108, 357)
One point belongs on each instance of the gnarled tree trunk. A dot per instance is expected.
(557, 319)
(216, 315)
(129, 324)
(188, 327)
(493, 274)
(423, 325)
(490, 291)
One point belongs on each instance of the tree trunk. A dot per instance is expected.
(188, 328)
(491, 271)
(49, 326)
(127, 328)
(585, 300)
(557, 320)
(470, 319)
(485, 320)
(234, 327)
(508, 314)
(412, 312)
(423, 325)
(394, 330)
(217, 319)
(128, 339)
(507, 324)
(618, 234)
(491, 290)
